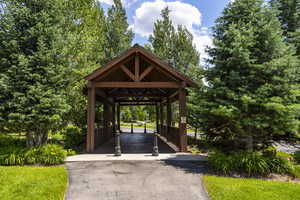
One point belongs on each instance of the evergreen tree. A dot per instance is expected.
(32, 67)
(162, 39)
(86, 29)
(118, 34)
(289, 16)
(194, 98)
(250, 101)
(175, 45)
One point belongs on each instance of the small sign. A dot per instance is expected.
(183, 120)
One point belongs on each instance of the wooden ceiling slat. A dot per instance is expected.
(137, 85)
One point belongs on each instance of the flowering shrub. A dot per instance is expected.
(16, 154)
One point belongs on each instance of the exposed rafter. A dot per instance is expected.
(131, 75)
(146, 72)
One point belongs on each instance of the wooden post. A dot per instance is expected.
(118, 117)
(169, 116)
(114, 118)
(161, 115)
(90, 144)
(157, 117)
(136, 68)
(106, 117)
(182, 118)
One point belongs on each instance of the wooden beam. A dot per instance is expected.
(114, 118)
(113, 90)
(158, 89)
(91, 119)
(137, 104)
(161, 116)
(146, 72)
(132, 76)
(137, 68)
(133, 101)
(154, 59)
(169, 116)
(159, 69)
(137, 85)
(157, 117)
(111, 69)
(137, 95)
(182, 118)
(102, 97)
(118, 117)
(126, 56)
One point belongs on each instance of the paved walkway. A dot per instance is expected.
(135, 180)
(138, 147)
(134, 143)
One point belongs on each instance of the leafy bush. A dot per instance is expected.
(11, 141)
(296, 157)
(270, 151)
(74, 137)
(250, 163)
(284, 155)
(15, 153)
(200, 145)
(295, 171)
(50, 154)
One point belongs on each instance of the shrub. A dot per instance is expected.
(74, 137)
(12, 156)
(270, 151)
(296, 157)
(295, 171)
(52, 154)
(15, 153)
(249, 163)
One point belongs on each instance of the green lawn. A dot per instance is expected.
(149, 125)
(221, 188)
(32, 183)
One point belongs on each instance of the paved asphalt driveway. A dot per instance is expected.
(135, 180)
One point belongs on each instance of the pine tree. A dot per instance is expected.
(173, 44)
(33, 67)
(194, 98)
(250, 101)
(85, 28)
(162, 39)
(289, 16)
(118, 34)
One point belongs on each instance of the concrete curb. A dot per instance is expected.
(136, 157)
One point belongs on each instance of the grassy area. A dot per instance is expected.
(149, 125)
(222, 188)
(30, 183)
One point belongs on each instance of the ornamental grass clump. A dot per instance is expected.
(253, 163)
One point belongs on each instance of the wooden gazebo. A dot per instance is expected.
(136, 77)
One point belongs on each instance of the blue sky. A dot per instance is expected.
(197, 15)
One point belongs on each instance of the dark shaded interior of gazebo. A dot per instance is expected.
(136, 77)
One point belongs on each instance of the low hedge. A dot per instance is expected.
(249, 163)
(14, 152)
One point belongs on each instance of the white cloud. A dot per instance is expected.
(127, 3)
(181, 13)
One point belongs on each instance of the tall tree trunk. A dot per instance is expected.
(37, 138)
(249, 143)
